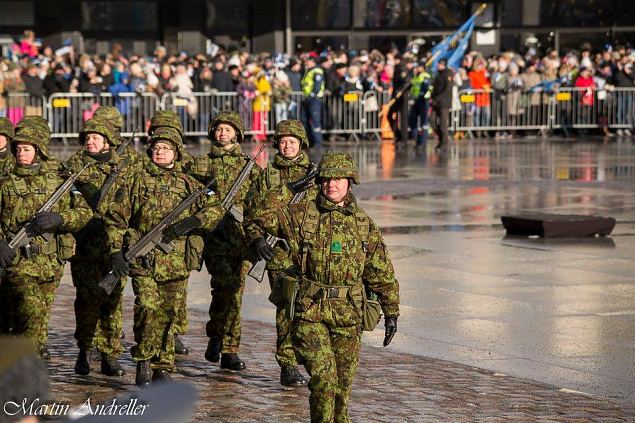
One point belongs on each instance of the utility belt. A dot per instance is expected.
(42, 247)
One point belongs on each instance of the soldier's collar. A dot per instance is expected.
(350, 204)
(102, 157)
(300, 160)
(5, 153)
(32, 169)
(218, 151)
(155, 170)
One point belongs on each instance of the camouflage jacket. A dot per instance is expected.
(335, 246)
(91, 240)
(225, 166)
(271, 193)
(22, 193)
(138, 204)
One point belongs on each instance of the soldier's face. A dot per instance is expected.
(24, 154)
(3, 142)
(289, 147)
(224, 134)
(95, 143)
(162, 154)
(335, 189)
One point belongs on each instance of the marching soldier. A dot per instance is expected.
(111, 115)
(290, 163)
(226, 248)
(7, 132)
(169, 119)
(159, 278)
(340, 260)
(98, 316)
(33, 274)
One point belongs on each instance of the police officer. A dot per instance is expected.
(420, 92)
(226, 250)
(158, 279)
(98, 316)
(339, 255)
(33, 279)
(441, 102)
(289, 164)
(313, 90)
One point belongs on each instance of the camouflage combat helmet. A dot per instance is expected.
(170, 135)
(111, 115)
(293, 128)
(34, 136)
(338, 165)
(37, 122)
(165, 119)
(6, 128)
(97, 126)
(231, 118)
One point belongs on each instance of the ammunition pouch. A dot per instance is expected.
(371, 311)
(194, 247)
(65, 246)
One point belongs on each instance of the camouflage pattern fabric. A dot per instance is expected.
(6, 128)
(338, 165)
(154, 316)
(37, 122)
(111, 115)
(228, 117)
(98, 316)
(34, 130)
(33, 280)
(271, 196)
(165, 119)
(136, 207)
(225, 249)
(326, 332)
(292, 128)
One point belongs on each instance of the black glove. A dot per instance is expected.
(46, 222)
(120, 267)
(6, 254)
(182, 227)
(262, 249)
(391, 329)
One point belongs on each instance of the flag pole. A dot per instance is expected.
(429, 62)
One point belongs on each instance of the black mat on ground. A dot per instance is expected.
(557, 225)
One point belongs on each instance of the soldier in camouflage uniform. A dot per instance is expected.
(41, 125)
(32, 280)
(226, 249)
(111, 115)
(6, 134)
(339, 255)
(169, 119)
(289, 164)
(98, 316)
(158, 280)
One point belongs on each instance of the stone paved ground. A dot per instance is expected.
(389, 387)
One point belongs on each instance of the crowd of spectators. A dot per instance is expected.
(267, 80)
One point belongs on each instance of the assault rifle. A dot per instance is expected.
(299, 187)
(22, 239)
(228, 201)
(154, 237)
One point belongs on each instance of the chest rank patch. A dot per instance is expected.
(336, 244)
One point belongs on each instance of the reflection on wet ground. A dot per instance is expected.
(556, 311)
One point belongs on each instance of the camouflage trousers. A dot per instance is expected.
(180, 322)
(98, 316)
(331, 356)
(227, 284)
(285, 354)
(155, 311)
(32, 299)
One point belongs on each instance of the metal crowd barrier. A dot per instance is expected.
(67, 112)
(354, 114)
(19, 105)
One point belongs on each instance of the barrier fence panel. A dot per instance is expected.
(373, 103)
(196, 112)
(137, 110)
(19, 105)
(341, 114)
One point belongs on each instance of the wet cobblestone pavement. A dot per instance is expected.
(389, 387)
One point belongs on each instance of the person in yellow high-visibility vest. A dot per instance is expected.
(420, 91)
(313, 90)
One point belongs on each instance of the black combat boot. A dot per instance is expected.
(179, 347)
(161, 375)
(110, 366)
(231, 361)
(82, 365)
(213, 350)
(290, 376)
(144, 373)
